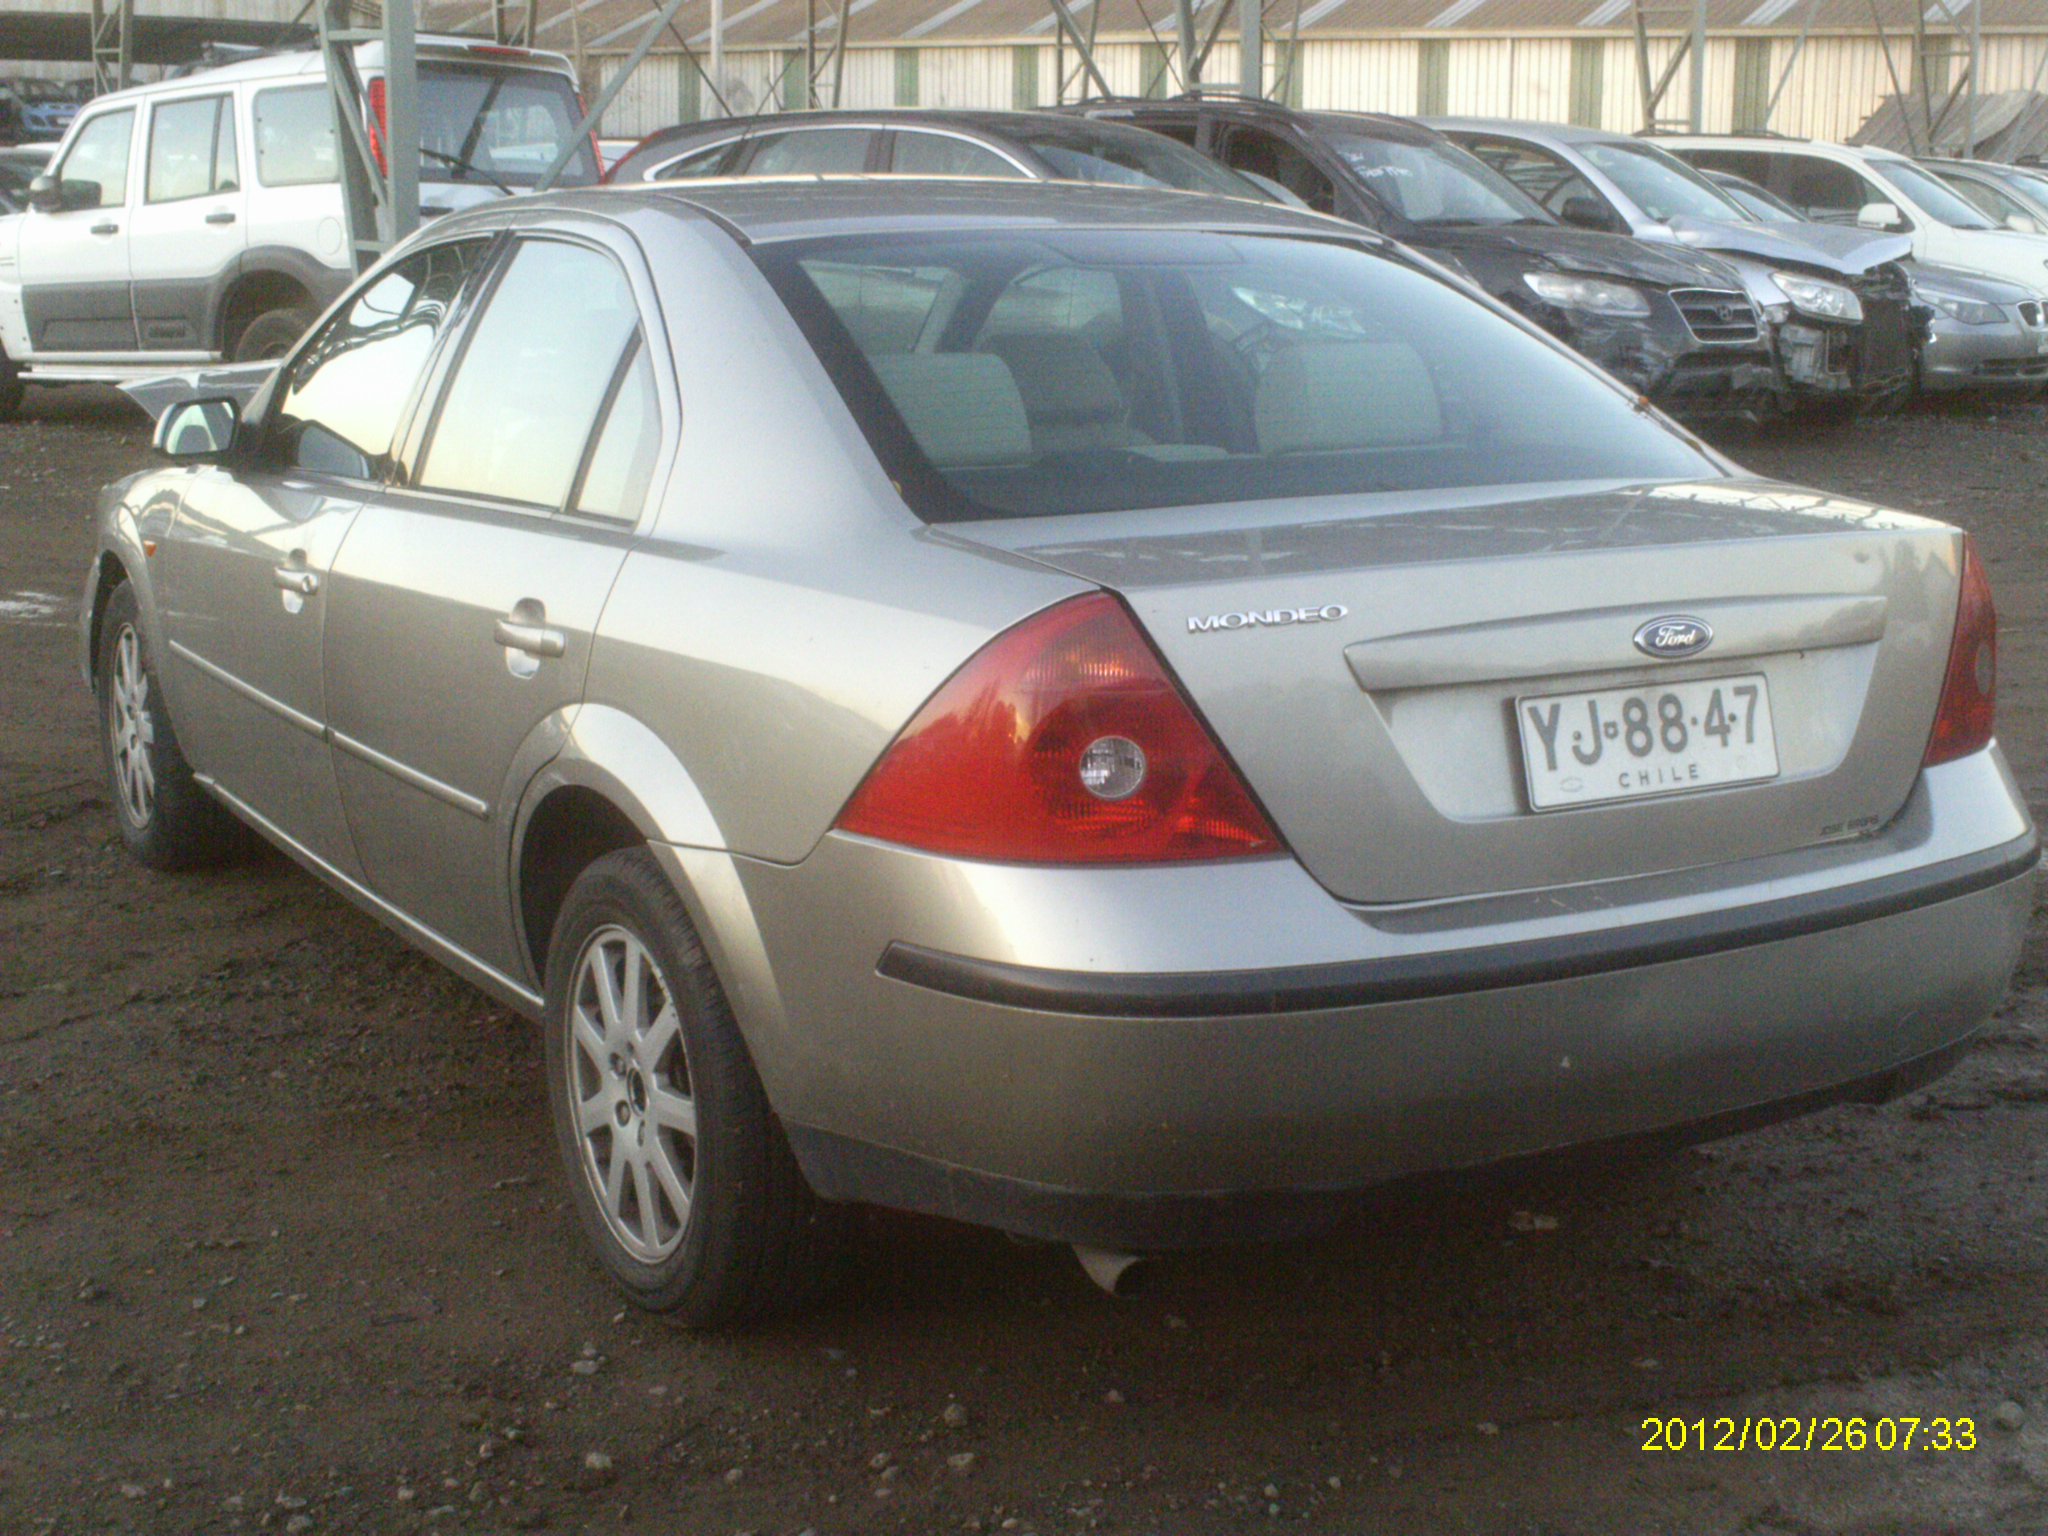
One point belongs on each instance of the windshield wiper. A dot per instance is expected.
(461, 164)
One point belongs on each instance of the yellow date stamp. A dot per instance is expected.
(1792, 1432)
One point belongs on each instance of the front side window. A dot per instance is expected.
(191, 149)
(294, 128)
(1435, 183)
(1998, 205)
(940, 154)
(535, 372)
(812, 152)
(95, 169)
(1093, 371)
(1663, 186)
(342, 397)
(1545, 179)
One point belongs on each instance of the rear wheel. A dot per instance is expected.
(166, 819)
(678, 1169)
(270, 334)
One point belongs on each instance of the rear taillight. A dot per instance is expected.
(1063, 741)
(1962, 724)
(378, 124)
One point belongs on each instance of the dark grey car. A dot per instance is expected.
(1110, 714)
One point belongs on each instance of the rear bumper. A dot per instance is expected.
(1154, 1057)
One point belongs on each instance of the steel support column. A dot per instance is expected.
(380, 181)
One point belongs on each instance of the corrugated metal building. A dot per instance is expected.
(1566, 60)
(1563, 60)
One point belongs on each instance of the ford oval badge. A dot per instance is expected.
(1674, 636)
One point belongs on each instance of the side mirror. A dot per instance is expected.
(45, 195)
(197, 429)
(1586, 212)
(2019, 223)
(1879, 216)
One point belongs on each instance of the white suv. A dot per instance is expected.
(199, 219)
(1877, 189)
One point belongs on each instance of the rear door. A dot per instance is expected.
(187, 231)
(242, 581)
(464, 600)
(74, 263)
(296, 199)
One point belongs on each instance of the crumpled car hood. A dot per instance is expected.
(1833, 247)
(1583, 251)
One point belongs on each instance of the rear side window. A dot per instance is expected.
(699, 162)
(99, 156)
(1820, 189)
(343, 395)
(294, 128)
(812, 152)
(1092, 371)
(535, 373)
(191, 149)
(940, 154)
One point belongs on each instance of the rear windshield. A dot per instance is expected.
(1010, 374)
(1129, 157)
(486, 124)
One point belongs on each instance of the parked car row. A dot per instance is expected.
(38, 111)
(1712, 307)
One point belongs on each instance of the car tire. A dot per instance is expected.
(270, 334)
(11, 387)
(166, 819)
(647, 1110)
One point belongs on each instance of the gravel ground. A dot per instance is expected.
(283, 1245)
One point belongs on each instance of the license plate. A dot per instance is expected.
(1627, 743)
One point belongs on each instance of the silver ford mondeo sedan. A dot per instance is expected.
(1110, 714)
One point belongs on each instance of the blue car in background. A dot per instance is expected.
(43, 108)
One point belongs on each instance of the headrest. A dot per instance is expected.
(1061, 376)
(1326, 396)
(962, 407)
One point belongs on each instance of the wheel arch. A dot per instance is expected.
(271, 277)
(109, 573)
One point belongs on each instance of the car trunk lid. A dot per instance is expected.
(1366, 666)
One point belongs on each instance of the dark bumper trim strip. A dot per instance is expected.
(1357, 984)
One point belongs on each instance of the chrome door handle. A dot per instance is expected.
(106, 229)
(221, 216)
(534, 639)
(293, 578)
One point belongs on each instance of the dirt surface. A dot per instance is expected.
(283, 1245)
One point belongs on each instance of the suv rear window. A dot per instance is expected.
(477, 124)
(1007, 374)
(482, 123)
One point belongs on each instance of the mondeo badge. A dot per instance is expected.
(1314, 613)
(1673, 636)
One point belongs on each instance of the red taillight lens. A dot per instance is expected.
(378, 125)
(597, 165)
(1962, 724)
(1063, 741)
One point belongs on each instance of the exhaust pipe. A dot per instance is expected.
(1106, 1267)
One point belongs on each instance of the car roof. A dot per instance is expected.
(766, 209)
(1405, 130)
(999, 125)
(288, 62)
(1521, 128)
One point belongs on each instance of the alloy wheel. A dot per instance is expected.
(629, 1089)
(131, 729)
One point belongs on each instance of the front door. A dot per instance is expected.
(463, 604)
(74, 263)
(243, 579)
(187, 227)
